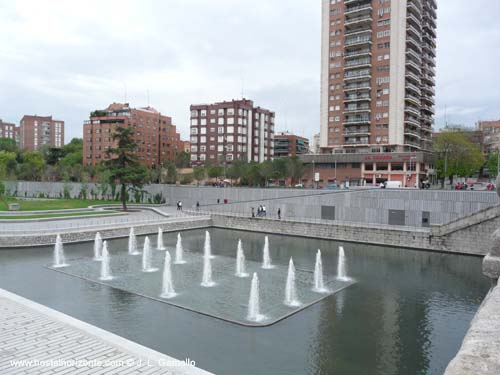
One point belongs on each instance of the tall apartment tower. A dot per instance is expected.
(233, 130)
(377, 75)
(37, 131)
(157, 139)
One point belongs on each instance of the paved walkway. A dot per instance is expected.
(31, 332)
(82, 223)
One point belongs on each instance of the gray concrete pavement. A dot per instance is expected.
(35, 339)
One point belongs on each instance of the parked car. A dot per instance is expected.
(480, 186)
(299, 186)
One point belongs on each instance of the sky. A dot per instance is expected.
(68, 58)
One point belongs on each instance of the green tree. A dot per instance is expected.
(8, 144)
(267, 171)
(280, 166)
(183, 160)
(492, 164)
(124, 167)
(170, 172)
(296, 169)
(199, 173)
(236, 170)
(8, 163)
(215, 171)
(32, 166)
(456, 155)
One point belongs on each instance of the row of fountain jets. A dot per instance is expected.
(101, 254)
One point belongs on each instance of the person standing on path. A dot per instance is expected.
(279, 213)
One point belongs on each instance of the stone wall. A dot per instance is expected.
(480, 351)
(49, 238)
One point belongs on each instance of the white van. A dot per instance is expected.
(393, 185)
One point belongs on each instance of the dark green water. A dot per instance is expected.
(407, 314)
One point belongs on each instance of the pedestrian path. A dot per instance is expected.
(35, 339)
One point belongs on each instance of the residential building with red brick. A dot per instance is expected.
(157, 138)
(377, 75)
(38, 131)
(233, 130)
(287, 144)
(9, 130)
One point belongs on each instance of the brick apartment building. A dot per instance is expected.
(233, 130)
(490, 131)
(154, 133)
(287, 144)
(378, 75)
(9, 130)
(37, 131)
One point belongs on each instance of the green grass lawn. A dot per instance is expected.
(24, 217)
(52, 204)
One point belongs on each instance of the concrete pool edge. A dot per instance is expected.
(118, 342)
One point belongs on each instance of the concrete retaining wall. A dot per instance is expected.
(480, 351)
(360, 206)
(115, 232)
(400, 237)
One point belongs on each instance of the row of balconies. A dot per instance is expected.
(356, 97)
(358, 40)
(358, 63)
(358, 52)
(358, 21)
(365, 85)
(351, 120)
(358, 131)
(357, 108)
(362, 8)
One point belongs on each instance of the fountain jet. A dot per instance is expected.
(341, 266)
(59, 258)
(146, 257)
(179, 251)
(98, 247)
(159, 243)
(105, 269)
(240, 261)
(207, 281)
(319, 284)
(207, 247)
(132, 243)
(254, 314)
(290, 290)
(167, 290)
(266, 258)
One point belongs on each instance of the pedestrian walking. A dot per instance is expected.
(279, 213)
(264, 212)
(253, 212)
(197, 206)
(180, 205)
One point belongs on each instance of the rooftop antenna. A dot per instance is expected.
(125, 93)
(242, 88)
(445, 117)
